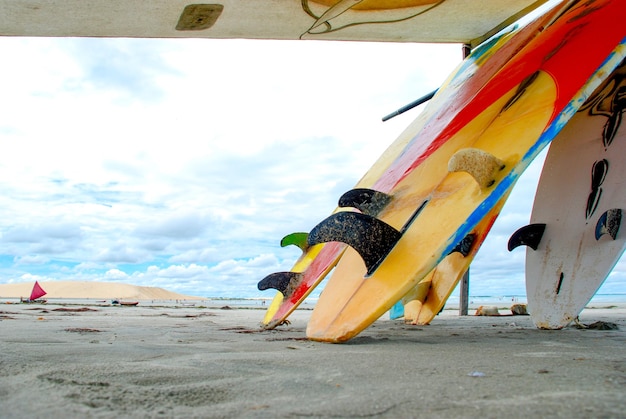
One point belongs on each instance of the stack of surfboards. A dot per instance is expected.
(416, 219)
(419, 139)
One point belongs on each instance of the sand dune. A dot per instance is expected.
(96, 290)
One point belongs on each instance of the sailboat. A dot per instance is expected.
(35, 294)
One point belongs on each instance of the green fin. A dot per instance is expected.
(296, 239)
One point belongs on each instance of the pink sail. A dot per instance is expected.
(37, 292)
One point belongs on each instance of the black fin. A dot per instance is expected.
(465, 245)
(285, 282)
(368, 201)
(371, 238)
(609, 223)
(296, 239)
(529, 235)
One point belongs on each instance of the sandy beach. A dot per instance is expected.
(66, 361)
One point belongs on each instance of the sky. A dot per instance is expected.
(182, 163)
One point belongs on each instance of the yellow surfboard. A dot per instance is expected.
(460, 88)
(425, 301)
(280, 308)
(438, 201)
(345, 306)
(326, 256)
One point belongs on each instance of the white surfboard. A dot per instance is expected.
(574, 238)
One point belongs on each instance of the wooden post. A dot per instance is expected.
(467, 49)
(464, 289)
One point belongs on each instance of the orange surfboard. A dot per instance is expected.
(445, 108)
(436, 203)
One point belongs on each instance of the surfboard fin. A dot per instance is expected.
(609, 223)
(368, 201)
(372, 238)
(295, 239)
(465, 246)
(481, 165)
(529, 235)
(285, 282)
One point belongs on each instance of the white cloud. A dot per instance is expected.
(31, 260)
(182, 163)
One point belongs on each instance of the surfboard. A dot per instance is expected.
(426, 300)
(575, 236)
(439, 198)
(317, 261)
(456, 21)
(450, 101)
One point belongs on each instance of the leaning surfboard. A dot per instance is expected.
(315, 262)
(424, 302)
(575, 237)
(441, 197)
(450, 102)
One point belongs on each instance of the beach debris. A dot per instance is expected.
(74, 310)
(519, 309)
(187, 316)
(603, 326)
(599, 325)
(82, 330)
(477, 374)
(6, 315)
(240, 329)
(487, 311)
(304, 339)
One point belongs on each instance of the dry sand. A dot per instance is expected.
(111, 362)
